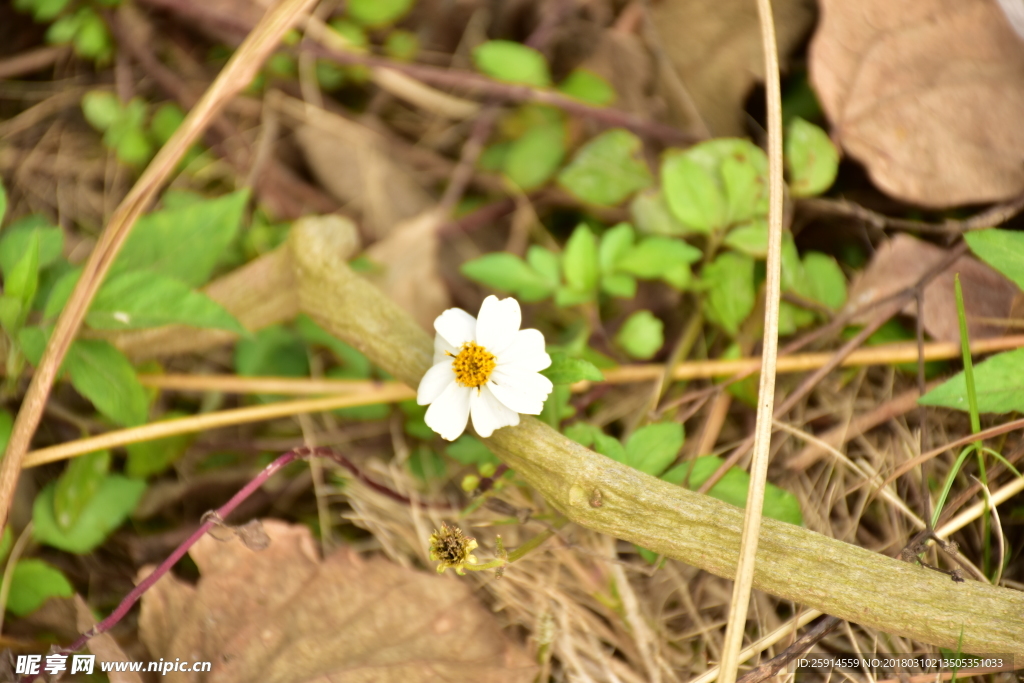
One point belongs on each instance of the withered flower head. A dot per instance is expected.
(452, 549)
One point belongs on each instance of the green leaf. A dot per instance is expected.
(580, 261)
(6, 542)
(377, 13)
(654, 447)
(77, 486)
(746, 185)
(811, 159)
(47, 10)
(402, 45)
(619, 285)
(608, 169)
(567, 370)
(3, 202)
(116, 497)
(533, 158)
(92, 40)
(272, 352)
(652, 216)
(16, 238)
(615, 243)
(62, 31)
(610, 446)
(20, 286)
(183, 243)
(470, 450)
(642, 335)
(508, 273)
(996, 380)
(730, 282)
(32, 341)
(826, 283)
(657, 257)
(6, 427)
(512, 62)
(588, 87)
(546, 263)
(354, 364)
(692, 193)
(33, 582)
(102, 374)
(141, 299)
(751, 239)
(1001, 249)
(149, 458)
(733, 488)
(566, 296)
(165, 121)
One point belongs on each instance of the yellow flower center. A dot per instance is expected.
(473, 366)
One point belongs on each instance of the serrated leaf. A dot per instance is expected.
(142, 299)
(183, 243)
(1001, 249)
(655, 257)
(567, 370)
(116, 497)
(746, 186)
(512, 62)
(825, 280)
(149, 458)
(729, 280)
(642, 335)
(15, 240)
(531, 160)
(588, 87)
(102, 374)
(654, 447)
(508, 273)
(652, 216)
(33, 582)
(579, 261)
(811, 159)
(734, 486)
(750, 239)
(996, 381)
(608, 169)
(77, 486)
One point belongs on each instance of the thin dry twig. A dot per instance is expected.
(991, 217)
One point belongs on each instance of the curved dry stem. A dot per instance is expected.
(792, 562)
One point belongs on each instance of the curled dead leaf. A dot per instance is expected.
(929, 95)
(283, 616)
(989, 298)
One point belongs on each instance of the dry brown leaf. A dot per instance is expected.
(903, 260)
(103, 646)
(410, 276)
(929, 95)
(715, 46)
(353, 163)
(283, 615)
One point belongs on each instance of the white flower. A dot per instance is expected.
(487, 368)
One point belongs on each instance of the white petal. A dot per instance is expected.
(449, 412)
(526, 353)
(456, 326)
(440, 347)
(434, 383)
(489, 413)
(523, 392)
(498, 323)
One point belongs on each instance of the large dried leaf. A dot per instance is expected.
(929, 95)
(715, 46)
(355, 165)
(902, 261)
(282, 615)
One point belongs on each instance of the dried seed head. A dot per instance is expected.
(451, 549)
